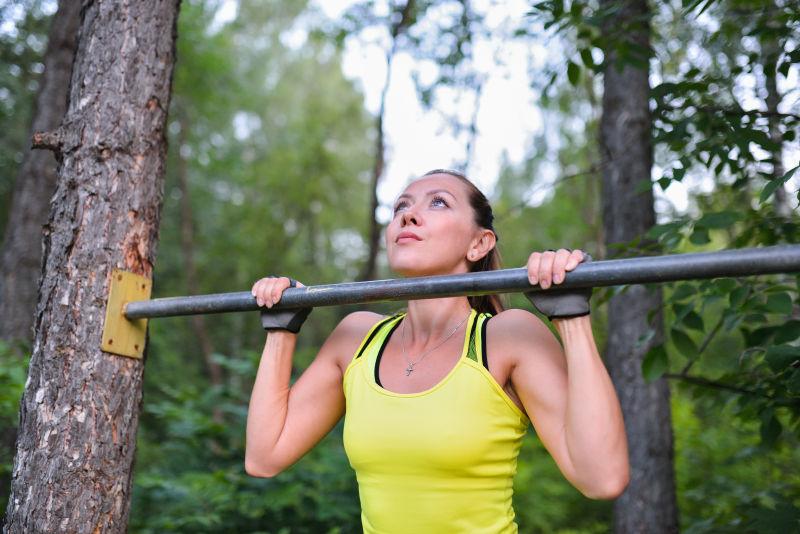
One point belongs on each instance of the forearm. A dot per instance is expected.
(269, 401)
(594, 428)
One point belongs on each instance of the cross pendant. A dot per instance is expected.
(409, 369)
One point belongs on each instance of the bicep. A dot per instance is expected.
(316, 400)
(539, 378)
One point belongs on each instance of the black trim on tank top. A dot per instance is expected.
(383, 347)
(483, 343)
(471, 337)
(375, 331)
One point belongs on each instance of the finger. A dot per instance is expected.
(546, 269)
(258, 291)
(264, 292)
(575, 257)
(559, 265)
(533, 267)
(278, 288)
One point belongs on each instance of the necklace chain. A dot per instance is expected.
(410, 368)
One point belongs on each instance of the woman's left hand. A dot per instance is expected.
(550, 267)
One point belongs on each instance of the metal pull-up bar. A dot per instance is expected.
(742, 262)
(127, 309)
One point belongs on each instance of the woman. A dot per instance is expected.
(437, 399)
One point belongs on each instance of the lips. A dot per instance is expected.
(408, 235)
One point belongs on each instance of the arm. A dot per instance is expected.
(570, 399)
(284, 422)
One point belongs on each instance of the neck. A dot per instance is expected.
(430, 320)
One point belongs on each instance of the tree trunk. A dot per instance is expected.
(198, 322)
(373, 244)
(648, 505)
(771, 52)
(21, 256)
(80, 409)
(405, 19)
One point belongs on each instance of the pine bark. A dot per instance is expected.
(21, 255)
(648, 504)
(80, 410)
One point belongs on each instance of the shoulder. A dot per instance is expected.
(518, 325)
(358, 323)
(348, 334)
(515, 333)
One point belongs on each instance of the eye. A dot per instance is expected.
(437, 200)
(399, 205)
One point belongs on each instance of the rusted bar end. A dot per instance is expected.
(122, 336)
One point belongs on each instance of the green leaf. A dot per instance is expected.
(770, 428)
(793, 384)
(738, 296)
(788, 332)
(723, 286)
(720, 219)
(586, 57)
(775, 184)
(681, 309)
(781, 357)
(683, 291)
(694, 321)
(699, 236)
(655, 363)
(683, 343)
(759, 336)
(573, 73)
(732, 319)
(780, 303)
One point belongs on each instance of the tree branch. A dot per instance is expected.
(53, 140)
(701, 381)
(732, 111)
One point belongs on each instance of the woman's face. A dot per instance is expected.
(432, 229)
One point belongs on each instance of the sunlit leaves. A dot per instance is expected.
(774, 184)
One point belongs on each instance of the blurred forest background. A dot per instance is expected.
(273, 166)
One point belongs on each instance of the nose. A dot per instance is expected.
(409, 216)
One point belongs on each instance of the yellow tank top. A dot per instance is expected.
(437, 461)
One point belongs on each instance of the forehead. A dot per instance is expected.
(444, 182)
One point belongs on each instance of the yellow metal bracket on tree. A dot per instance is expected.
(123, 336)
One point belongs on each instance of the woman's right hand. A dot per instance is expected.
(268, 292)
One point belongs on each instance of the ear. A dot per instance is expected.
(481, 245)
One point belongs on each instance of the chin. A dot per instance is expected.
(408, 269)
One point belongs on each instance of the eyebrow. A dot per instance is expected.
(429, 193)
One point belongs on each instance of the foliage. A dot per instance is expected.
(275, 145)
(21, 50)
(191, 478)
(13, 372)
(732, 343)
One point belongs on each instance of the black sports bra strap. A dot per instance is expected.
(375, 331)
(483, 341)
